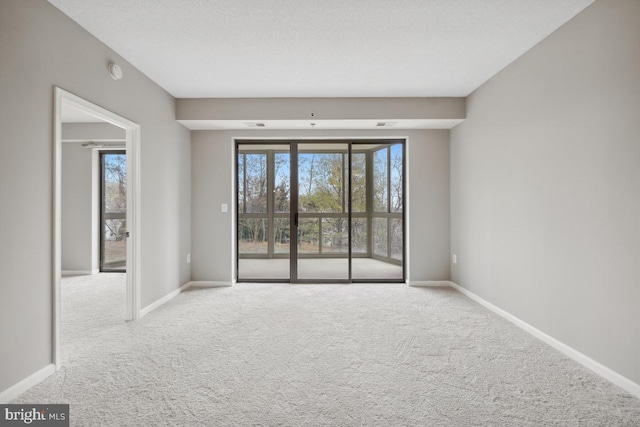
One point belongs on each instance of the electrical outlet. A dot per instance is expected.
(224, 207)
(188, 258)
(454, 258)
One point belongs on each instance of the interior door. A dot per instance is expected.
(321, 202)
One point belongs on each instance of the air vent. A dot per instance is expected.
(385, 124)
(255, 124)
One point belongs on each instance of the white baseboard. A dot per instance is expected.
(17, 389)
(210, 284)
(164, 299)
(598, 368)
(79, 272)
(430, 283)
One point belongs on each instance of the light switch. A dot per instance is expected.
(224, 208)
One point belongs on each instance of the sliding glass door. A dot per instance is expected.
(320, 212)
(264, 200)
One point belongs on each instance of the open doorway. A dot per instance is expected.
(96, 219)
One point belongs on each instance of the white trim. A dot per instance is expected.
(57, 227)
(173, 294)
(134, 223)
(95, 209)
(62, 97)
(430, 283)
(586, 361)
(79, 272)
(164, 299)
(17, 389)
(211, 284)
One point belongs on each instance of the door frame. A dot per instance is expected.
(132, 136)
(292, 142)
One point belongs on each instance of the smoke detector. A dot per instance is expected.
(115, 71)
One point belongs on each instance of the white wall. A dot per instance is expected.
(77, 208)
(41, 48)
(428, 199)
(545, 187)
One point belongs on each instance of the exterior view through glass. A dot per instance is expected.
(320, 212)
(113, 211)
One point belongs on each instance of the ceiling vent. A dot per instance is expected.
(255, 124)
(385, 124)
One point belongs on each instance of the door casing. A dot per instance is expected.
(61, 99)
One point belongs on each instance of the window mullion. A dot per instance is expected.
(388, 200)
(270, 203)
(244, 182)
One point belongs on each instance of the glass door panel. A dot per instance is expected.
(263, 210)
(323, 212)
(113, 211)
(377, 236)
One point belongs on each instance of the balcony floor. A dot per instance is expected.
(318, 269)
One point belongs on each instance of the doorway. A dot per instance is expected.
(320, 211)
(64, 103)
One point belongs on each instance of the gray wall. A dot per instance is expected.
(428, 199)
(545, 187)
(324, 108)
(41, 48)
(77, 208)
(92, 132)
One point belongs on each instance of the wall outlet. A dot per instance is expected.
(188, 258)
(454, 258)
(224, 207)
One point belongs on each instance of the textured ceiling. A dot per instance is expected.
(329, 48)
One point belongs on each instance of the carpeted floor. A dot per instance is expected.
(312, 355)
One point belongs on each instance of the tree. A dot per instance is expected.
(323, 185)
(396, 189)
(115, 193)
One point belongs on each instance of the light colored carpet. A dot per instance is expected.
(312, 355)
(90, 305)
